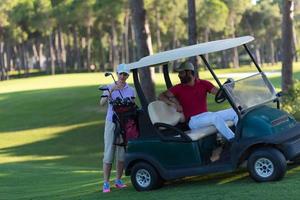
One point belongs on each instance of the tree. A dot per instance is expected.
(287, 45)
(236, 9)
(192, 30)
(170, 28)
(144, 45)
(262, 21)
(110, 17)
(212, 14)
(4, 23)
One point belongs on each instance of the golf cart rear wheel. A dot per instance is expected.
(267, 164)
(144, 177)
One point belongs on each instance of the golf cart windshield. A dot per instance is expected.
(251, 91)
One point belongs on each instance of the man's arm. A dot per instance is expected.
(169, 98)
(214, 90)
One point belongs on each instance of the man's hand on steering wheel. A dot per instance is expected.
(220, 95)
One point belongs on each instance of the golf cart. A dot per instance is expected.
(265, 136)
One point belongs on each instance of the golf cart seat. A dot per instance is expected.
(162, 113)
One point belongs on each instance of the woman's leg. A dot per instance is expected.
(120, 169)
(106, 171)
(120, 156)
(109, 149)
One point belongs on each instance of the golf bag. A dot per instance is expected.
(126, 120)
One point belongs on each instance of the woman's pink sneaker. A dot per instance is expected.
(119, 184)
(106, 187)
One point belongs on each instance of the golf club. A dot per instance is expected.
(110, 74)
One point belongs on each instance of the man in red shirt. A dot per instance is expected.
(189, 97)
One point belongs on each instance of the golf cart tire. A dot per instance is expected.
(144, 177)
(266, 164)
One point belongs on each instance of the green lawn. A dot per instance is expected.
(51, 143)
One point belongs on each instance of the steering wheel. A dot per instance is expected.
(221, 96)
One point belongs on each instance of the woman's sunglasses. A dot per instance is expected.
(123, 73)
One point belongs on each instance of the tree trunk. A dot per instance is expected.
(61, 50)
(272, 52)
(76, 49)
(257, 55)
(23, 57)
(52, 54)
(143, 41)
(287, 46)
(57, 51)
(157, 20)
(9, 55)
(114, 47)
(235, 54)
(192, 30)
(17, 59)
(174, 38)
(35, 51)
(206, 36)
(125, 36)
(2, 54)
(83, 48)
(158, 38)
(41, 56)
(2, 63)
(89, 44)
(225, 61)
(69, 53)
(131, 42)
(102, 60)
(295, 42)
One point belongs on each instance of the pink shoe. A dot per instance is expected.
(106, 187)
(119, 184)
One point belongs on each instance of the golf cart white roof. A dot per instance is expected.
(189, 51)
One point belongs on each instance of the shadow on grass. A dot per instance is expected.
(50, 107)
(76, 147)
(68, 164)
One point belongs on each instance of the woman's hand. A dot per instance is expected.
(117, 86)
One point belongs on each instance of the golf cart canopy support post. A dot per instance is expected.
(252, 58)
(166, 75)
(139, 90)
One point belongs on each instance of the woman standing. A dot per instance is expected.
(119, 89)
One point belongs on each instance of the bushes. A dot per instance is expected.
(291, 101)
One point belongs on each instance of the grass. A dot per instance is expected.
(51, 143)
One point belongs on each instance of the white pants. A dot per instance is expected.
(217, 119)
(109, 148)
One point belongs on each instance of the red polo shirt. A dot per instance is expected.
(192, 98)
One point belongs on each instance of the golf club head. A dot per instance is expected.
(107, 74)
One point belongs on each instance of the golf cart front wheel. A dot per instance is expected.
(144, 177)
(267, 164)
